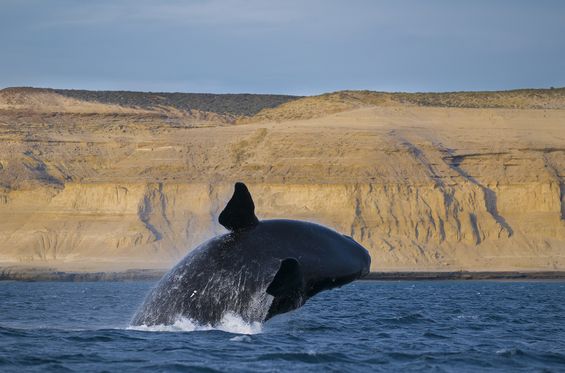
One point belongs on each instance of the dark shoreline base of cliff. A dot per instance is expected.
(40, 274)
(466, 275)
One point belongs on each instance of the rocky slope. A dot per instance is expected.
(471, 181)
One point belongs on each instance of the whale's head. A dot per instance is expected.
(357, 251)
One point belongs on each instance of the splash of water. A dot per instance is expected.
(230, 323)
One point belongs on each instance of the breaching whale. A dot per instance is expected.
(256, 271)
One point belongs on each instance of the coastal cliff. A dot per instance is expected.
(463, 181)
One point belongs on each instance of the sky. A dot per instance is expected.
(288, 46)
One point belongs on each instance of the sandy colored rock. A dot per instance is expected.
(102, 187)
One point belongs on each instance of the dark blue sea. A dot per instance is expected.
(427, 326)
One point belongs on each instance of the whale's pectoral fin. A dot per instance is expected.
(287, 287)
(239, 213)
(288, 278)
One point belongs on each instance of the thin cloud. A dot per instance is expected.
(282, 46)
(215, 12)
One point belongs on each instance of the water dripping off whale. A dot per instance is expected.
(256, 271)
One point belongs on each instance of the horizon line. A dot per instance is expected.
(2, 88)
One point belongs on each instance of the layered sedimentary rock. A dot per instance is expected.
(88, 185)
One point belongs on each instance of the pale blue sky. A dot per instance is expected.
(287, 46)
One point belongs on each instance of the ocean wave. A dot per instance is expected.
(230, 323)
(508, 352)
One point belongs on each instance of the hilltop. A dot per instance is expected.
(316, 106)
(260, 107)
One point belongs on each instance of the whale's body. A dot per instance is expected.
(258, 270)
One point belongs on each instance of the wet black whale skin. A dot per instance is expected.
(258, 270)
(291, 260)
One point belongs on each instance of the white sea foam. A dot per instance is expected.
(230, 323)
(241, 338)
(508, 351)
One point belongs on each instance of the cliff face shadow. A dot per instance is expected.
(554, 170)
(450, 203)
(454, 162)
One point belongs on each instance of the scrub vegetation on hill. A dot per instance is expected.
(315, 106)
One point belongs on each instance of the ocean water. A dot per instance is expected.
(451, 326)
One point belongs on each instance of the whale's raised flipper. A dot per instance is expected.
(287, 287)
(239, 213)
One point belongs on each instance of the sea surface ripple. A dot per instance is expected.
(451, 326)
